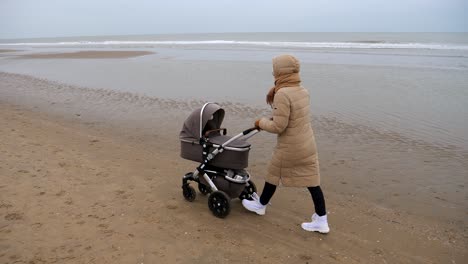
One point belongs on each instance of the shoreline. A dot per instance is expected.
(87, 54)
(418, 102)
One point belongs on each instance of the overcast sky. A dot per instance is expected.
(54, 18)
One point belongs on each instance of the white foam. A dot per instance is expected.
(275, 44)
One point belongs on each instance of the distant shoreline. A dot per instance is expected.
(230, 33)
(88, 54)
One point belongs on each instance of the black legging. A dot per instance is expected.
(315, 192)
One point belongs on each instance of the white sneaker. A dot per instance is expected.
(314, 217)
(254, 205)
(318, 224)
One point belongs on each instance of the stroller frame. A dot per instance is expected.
(206, 175)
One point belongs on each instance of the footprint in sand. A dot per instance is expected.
(172, 205)
(103, 226)
(336, 256)
(122, 195)
(93, 216)
(36, 225)
(5, 205)
(5, 230)
(14, 216)
(102, 174)
(377, 251)
(305, 257)
(105, 230)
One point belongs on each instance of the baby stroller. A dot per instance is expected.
(223, 159)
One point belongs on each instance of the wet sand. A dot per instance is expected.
(422, 103)
(88, 54)
(93, 176)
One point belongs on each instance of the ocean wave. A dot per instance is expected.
(274, 44)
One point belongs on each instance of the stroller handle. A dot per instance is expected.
(247, 131)
(245, 134)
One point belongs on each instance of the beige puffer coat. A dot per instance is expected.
(294, 162)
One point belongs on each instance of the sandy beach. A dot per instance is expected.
(100, 108)
(93, 176)
(90, 169)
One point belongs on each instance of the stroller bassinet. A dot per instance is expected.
(194, 134)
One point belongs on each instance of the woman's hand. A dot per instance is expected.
(257, 124)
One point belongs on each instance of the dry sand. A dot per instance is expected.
(76, 191)
(89, 54)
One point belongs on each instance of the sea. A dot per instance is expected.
(415, 84)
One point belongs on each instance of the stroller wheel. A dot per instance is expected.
(219, 204)
(189, 193)
(204, 189)
(248, 191)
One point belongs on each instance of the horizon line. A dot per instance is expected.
(260, 32)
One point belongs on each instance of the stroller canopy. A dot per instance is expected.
(208, 117)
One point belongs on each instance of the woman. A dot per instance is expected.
(294, 162)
